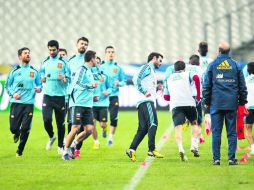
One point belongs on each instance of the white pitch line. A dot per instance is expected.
(148, 162)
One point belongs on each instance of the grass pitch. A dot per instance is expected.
(110, 168)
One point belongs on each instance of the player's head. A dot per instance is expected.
(98, 60)
(250, 68)
(90, 58)
(24, 55)
(179, 66)
(53, 47)
(110, 53)
(82, 44)
(155, 58)
(63, 52)
(194, 59)
(203, 48)
(224, 48)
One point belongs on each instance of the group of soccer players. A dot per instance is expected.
(84, 89)
(80, 87)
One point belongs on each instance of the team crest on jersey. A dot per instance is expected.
(32, 74)
(176, 77)
(59, 65)
(115, 70)
(224, 66)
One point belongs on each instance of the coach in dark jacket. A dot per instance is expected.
(224, 89)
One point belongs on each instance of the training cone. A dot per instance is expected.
(243, 160)
(145, 164)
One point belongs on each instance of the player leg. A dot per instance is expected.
(113, 112)
(26, 127)
(47, 111)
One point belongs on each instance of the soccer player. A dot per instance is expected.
(75, 62)
(183, 105)
(116, 77)
(22, 84)
(101, 102)
(63, 53)
(249, 120)
(204, 59)
(54, 75)
(81, 103)
(146, 83)
(194, 67)
(224, 89)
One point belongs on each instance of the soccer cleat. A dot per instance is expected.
(77, 153)
(216, 162)
(183, 156)
(18, 155)
(155, 153)
(233, 162)
(15, 138)
(131, 154)
(104, 132)
(71, 152)
(96, 146)
(66, 156)
(195, 152)
(60, 150)
(50, 143)
(110, 142)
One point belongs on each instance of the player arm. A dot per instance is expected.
(196, 80)
(38, 83)
(242, 88)
(169, 71)
(138, 79)
(9, 83)
(122, 78)
(207, 86)
(42, 73)
(166, 93)
(67, 71)
(108, 86)
(83, 81)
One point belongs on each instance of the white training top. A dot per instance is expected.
(250, 88)
(146, 80)
(204, 62)
(179, 86)
(195, 70)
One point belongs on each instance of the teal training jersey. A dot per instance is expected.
(103, 85)
(51, 68)
(75, 62)
(82, 89)
(23, 79)
(114, 72)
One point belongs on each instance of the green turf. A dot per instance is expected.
(109, 167)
